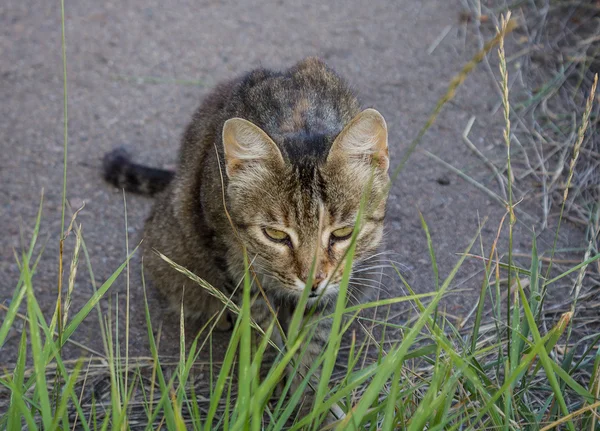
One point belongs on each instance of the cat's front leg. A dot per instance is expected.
(264, 315)
(318, 332)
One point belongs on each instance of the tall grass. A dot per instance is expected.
(507, 374)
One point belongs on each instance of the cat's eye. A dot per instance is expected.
(342, 233)
(276, 235)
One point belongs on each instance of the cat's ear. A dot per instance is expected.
(245, 143)
(364, 140)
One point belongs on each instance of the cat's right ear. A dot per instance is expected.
(245, 143)
(363, 142)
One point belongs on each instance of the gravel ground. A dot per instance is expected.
(138, 69)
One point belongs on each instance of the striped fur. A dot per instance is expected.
(288, 152)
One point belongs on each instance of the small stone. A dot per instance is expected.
(443, 180)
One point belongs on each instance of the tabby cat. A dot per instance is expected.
(276, 162)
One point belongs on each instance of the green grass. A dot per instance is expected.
(507, 372)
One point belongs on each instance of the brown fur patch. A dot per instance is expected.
(297, 120)
(299, 113)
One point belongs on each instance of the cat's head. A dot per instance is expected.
(289, 206)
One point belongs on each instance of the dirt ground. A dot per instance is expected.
(138, 69)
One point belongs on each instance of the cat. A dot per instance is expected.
(277, 162)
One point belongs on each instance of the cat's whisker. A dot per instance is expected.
(377, 271)
(381, 253)
(352, 299)
(369, 268)
(390, 264)
(367, 280)
(370, 280)
(374, 288)
(393, 280)
(371, 261)
(378, 288)
(382, 260)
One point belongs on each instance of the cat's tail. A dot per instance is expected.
(121, 172)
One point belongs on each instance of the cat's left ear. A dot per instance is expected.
(363, 140)
(246, 144)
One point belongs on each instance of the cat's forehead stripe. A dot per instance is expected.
(304, 147)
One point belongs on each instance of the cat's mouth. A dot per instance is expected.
(327, 290)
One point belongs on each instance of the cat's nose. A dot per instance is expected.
(317, 280)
